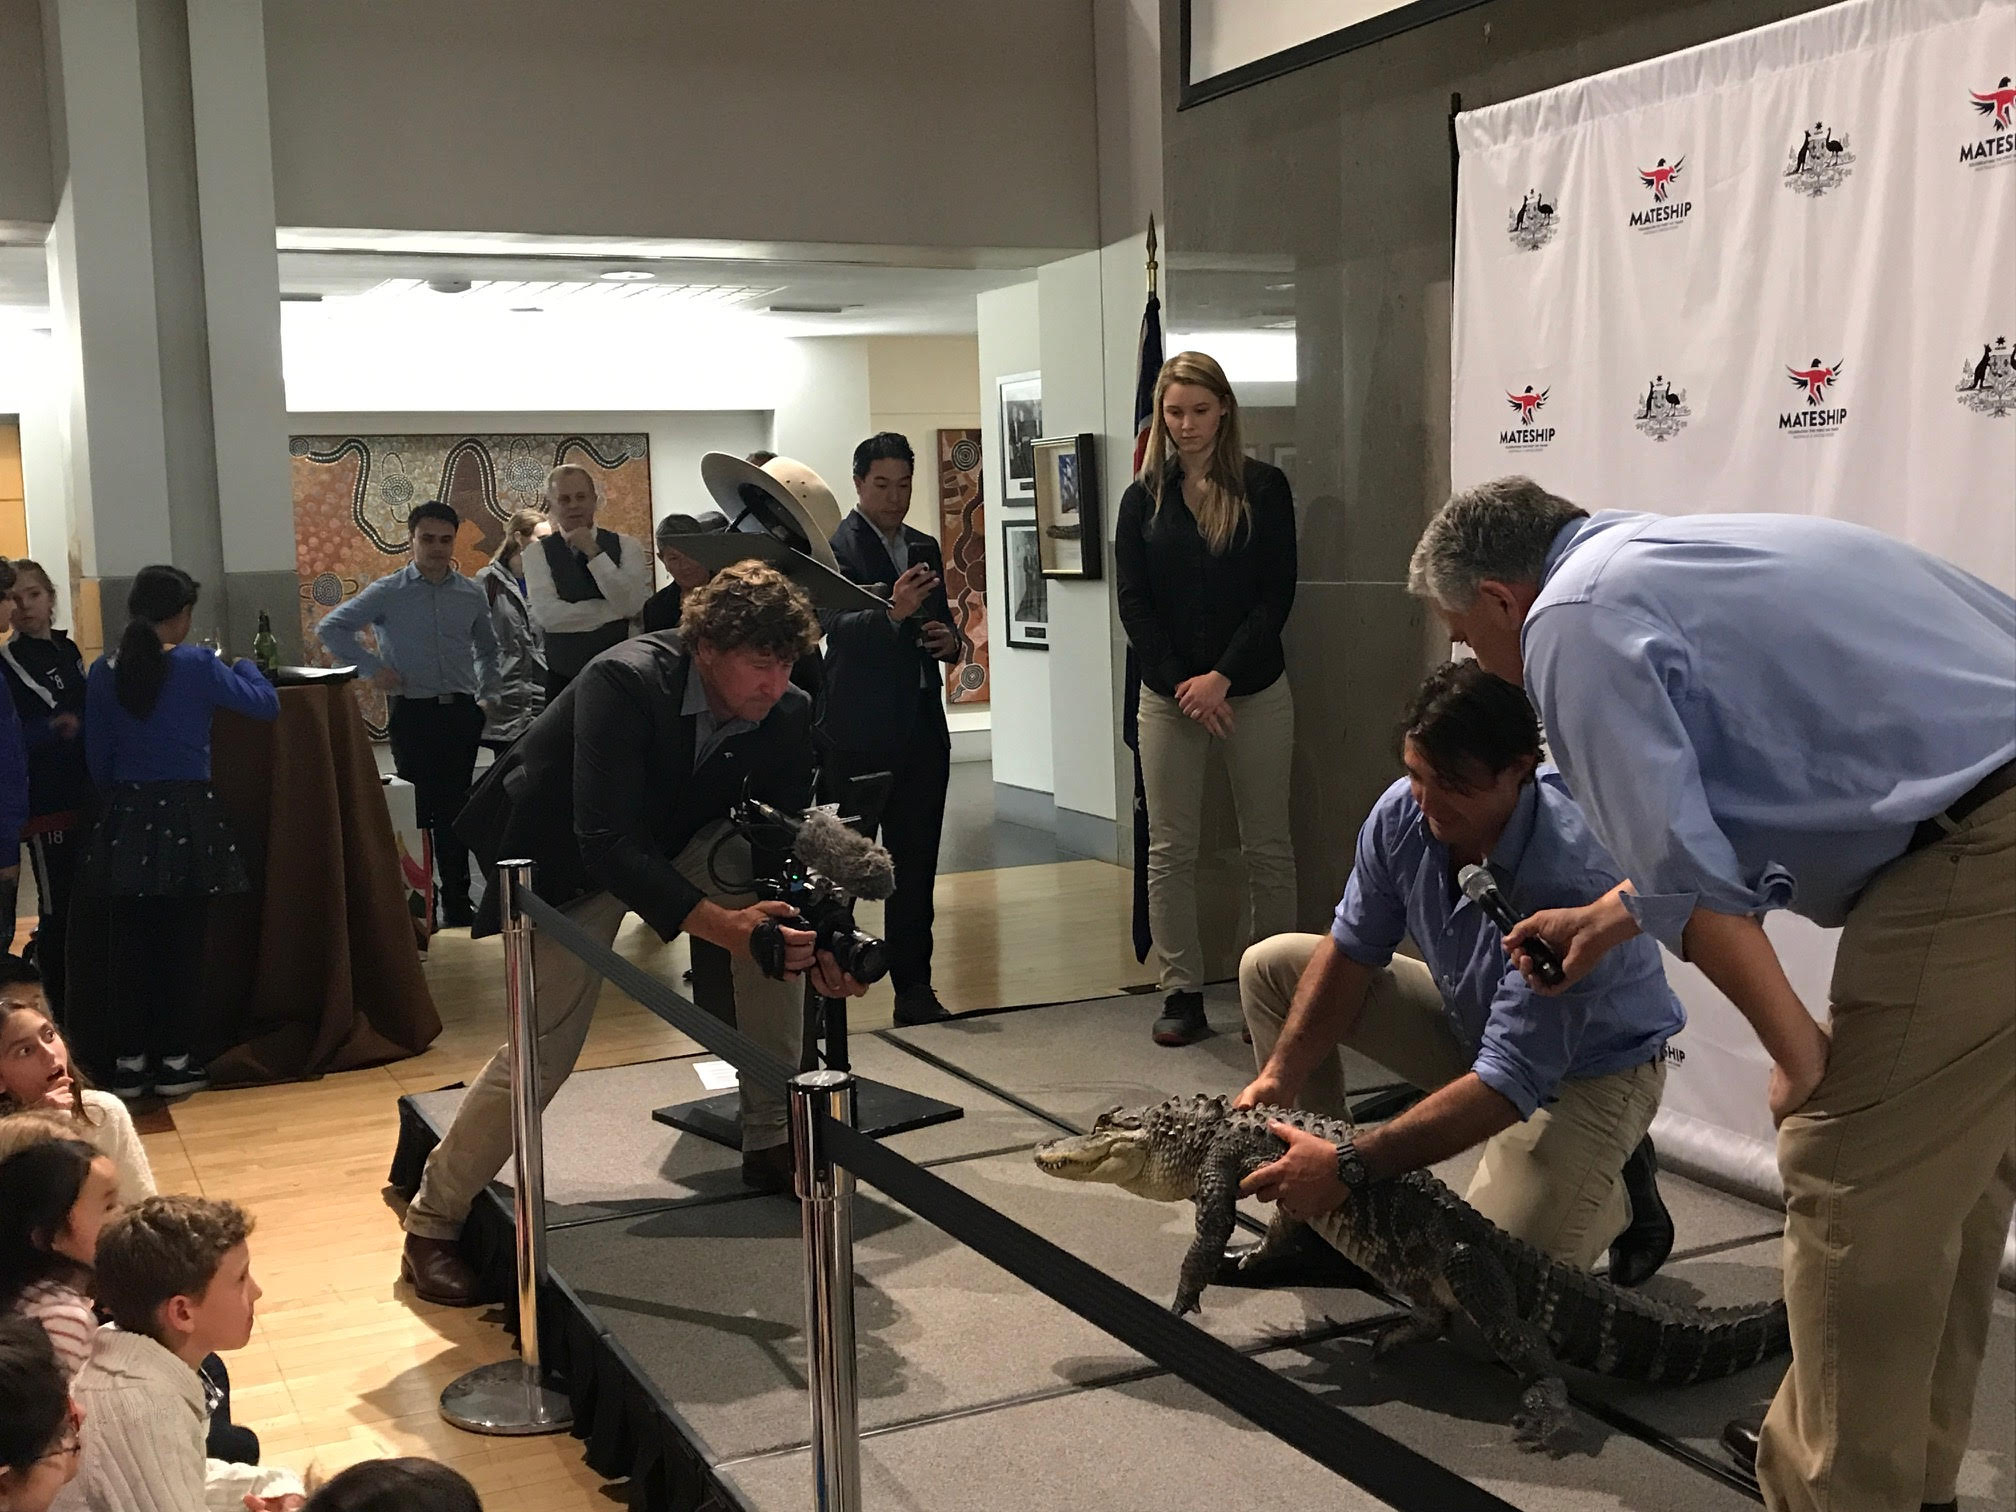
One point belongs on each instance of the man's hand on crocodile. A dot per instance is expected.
(1304, 1180)
(1264, 1089)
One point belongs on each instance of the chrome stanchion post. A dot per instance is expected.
(827, 1192)
(511, 1396)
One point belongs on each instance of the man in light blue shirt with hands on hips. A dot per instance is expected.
(437, 665)
(1764, 711)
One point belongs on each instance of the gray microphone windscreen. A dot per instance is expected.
(1476, 882)
(857, 863)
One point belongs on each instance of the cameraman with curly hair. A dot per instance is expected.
(619, 794)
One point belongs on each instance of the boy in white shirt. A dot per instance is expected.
(175, 1273)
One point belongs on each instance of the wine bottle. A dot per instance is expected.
(266, 645)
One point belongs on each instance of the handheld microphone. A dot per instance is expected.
(1481, 888)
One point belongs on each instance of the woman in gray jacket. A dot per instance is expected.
(521, 659)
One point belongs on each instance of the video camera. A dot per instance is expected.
(826, 867)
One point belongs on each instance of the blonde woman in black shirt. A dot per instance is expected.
(1205, 549)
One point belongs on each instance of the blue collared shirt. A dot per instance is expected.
(436, 636)
(1755, 710)
(1401, 883)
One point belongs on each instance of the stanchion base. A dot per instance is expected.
(879, 1110)
(506, 1400)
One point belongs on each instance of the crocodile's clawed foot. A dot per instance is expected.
(1398, 1335)
(1184, 1306)
(1544, 1421)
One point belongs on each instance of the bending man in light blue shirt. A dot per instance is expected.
(1559, 1094)
(437, 664)
(1772, 711)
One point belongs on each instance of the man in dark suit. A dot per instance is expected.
(661, 610)
(619, 794)
(885, 707)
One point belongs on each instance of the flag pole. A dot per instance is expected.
(1152, 264)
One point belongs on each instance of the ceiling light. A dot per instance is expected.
(527, 310)
(449, 285)
(1279, 288)
(629, 275)
(809, 309)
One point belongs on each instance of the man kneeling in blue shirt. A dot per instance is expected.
(1559, 1091)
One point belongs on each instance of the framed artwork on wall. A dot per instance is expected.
(1021, 398)
(1067, 506)
(1028, 601)
(962, 533)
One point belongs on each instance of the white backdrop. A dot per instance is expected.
(1773, 273)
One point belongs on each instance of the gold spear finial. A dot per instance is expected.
(1151, 254)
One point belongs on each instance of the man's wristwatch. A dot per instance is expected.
(1350, 1169)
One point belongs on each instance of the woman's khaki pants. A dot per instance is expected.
(1900, 1172)
(1258, 754)
(1554, 1180)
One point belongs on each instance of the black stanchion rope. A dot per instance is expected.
(1334, 1439)
(1339, 1442)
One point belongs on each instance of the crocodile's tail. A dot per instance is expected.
(1634, 1337)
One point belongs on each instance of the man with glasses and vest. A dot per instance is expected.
(584, 585)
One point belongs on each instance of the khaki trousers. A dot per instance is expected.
(1900, 1173)
(1554, 1180)
(478, 1143)
(1258, 756)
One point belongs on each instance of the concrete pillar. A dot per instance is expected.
(241, 274)
(164, 288)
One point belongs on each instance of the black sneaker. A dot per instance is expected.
(1182, 1021)
(919, 1005)
(129, 1078)
(180, 1075)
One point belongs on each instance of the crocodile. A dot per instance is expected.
(1429, 1247)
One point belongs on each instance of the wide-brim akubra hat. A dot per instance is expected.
(790, 500)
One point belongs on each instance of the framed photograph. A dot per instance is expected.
(1284, 458)
(1028, 601)
(1021, 423)
(1067, 506)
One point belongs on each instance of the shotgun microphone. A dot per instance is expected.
(1481, 888)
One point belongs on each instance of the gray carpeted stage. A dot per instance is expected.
(978, 1392)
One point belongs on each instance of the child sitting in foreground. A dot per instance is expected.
(396, 1485)
(38, 1428)
(56, 1195)
(175, 1274)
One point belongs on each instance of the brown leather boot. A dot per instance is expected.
(436, 1271)
(768, 1170)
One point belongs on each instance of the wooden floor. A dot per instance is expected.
(345, 1363)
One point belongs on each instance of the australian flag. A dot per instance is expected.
(1147, 371)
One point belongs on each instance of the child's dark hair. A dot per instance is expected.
(158, 594)
(33, 1386)
(15, 972)
(39, 1185)
(27, 567)
(1466, 722)
(396, 1485)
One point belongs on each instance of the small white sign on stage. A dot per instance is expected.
(715, 1075)
(1772, 273)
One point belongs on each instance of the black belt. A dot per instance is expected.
(1939, 826)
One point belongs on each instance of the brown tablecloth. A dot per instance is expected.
(316, 969)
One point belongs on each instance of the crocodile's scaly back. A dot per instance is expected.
(1414, 1234)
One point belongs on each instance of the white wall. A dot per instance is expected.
(1083, 728)
(1010, 342)
(822, 410)
(30, 388)
(678, 440)
(907, 122)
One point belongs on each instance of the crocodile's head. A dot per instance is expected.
(1155, 1152)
